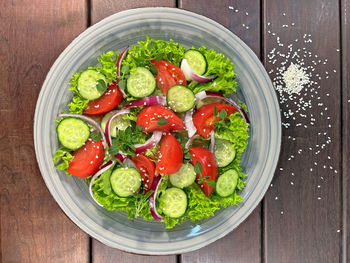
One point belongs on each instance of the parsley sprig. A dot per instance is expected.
(126, 139)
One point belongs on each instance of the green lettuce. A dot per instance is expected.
(234, 129)
(220, 66)
(107, 67)
(63, 156)
(140, 55)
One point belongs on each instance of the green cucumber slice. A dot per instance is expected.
(224, 152)
(141, 83)
(87, 84)
(125, 181)
(173, 202)
(226, 183)
(72, 133)
(184, 177)
(180, 98)
(196, 61)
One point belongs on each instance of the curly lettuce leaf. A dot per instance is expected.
(235, 130)
(141, 54)
(220, 66)
(107, 67)
(63, 156)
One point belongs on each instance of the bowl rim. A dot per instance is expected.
(226, 226)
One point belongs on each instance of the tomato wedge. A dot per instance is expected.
(109, 101)
(210, 168)
(204, 119)
(168, 75)
(146, 168)
(87, 159)
(170, 155)
(149, 116)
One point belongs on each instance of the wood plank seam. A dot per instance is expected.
(344, 116)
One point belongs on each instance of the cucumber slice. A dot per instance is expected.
(118, 123)
(196, 60)
(224, 152)
(173, 202)
(184, 177)
(227, 183)
(180, 98)
(125, 181)
(72, 133)
(141, 83)
(87, 84)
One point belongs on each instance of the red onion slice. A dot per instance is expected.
(206, 94)
(90, 121)
(191, 129)
(108, 125)
(189, 73)
(212, 142)
(121, 157)
(152, 199)
(148, 101)
(119, 65)
(156, 136)
(103, 168)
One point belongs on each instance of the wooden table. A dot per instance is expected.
(304, 215)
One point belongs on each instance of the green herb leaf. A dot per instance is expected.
(101, 85)
(138, 128)
(125, 69)
(215, 111)
(202, 178)
(95, 135)
(122, 84)
(187, 156)
(223, 114)
(211, 183)
(154, 70)
(162, 121)
(113, 150)
(198, 168)
(158, 57)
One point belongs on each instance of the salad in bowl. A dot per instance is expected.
(154, 134)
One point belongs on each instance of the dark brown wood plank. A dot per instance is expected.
(103, 8)
(303, 208)
(32, 35)
(100, 252)
(244, 243)
(345, 7)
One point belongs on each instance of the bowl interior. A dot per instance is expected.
(255, 89)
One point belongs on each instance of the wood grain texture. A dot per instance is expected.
(303, 208)
(345, 9)
(103, 8)
(33, 227)
(244, 243)
(100, 252)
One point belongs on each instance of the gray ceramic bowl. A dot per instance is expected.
(115, 33)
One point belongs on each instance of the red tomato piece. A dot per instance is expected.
(149, 116)
(87, 159)
(170, 155)
(204, 119)
(146, 168)
(109, 101)
(210, 168)
(168, 75)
